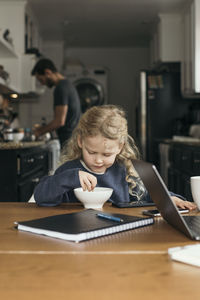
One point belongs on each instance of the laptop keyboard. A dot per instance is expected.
(134, 204)
(193, 223)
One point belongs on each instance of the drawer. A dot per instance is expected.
(26, 187)
(30, 163)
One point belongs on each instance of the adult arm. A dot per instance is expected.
(140, 193)
(183, 203)
(60, 116)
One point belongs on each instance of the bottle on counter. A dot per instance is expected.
(44, 122)
(47, 136)
(27, 135)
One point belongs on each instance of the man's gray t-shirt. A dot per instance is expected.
(66, 94)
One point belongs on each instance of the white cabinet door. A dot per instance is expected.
(12, 56)
(190, 66)
(29, 84)
(196, 43)
(187, 76)
(170, 38)
(166, 45)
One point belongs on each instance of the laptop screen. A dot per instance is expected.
(160, 195)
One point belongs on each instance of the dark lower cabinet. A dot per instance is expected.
(25, 188)
(184, 163)
(20, 171)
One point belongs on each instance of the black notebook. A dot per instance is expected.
(83, 225)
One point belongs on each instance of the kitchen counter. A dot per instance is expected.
(22, 166)
(179, 159)
(20, 145)
(183, 163)
(182, 140)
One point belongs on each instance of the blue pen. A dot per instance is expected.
(109, 217)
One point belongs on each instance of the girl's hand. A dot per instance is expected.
(87, 181)
(184, 204)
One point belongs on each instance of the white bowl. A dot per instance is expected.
(18, 136)
(94, 199)
(13, 136)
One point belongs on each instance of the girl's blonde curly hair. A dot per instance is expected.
(110, 122)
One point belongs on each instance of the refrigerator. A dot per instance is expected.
(161, 111)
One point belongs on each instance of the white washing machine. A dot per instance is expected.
(91, 83)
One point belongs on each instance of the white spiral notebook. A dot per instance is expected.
(83, 225)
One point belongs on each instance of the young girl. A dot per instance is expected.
(99, 153)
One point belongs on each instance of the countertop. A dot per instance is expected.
(187, 140)
(20, 145)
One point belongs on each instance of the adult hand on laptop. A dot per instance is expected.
(184, 204)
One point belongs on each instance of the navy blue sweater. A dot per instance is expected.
(55, 189)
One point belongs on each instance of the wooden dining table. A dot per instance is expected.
(129, 265)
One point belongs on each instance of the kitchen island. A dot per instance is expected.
(179, 160)
(21, 145)
(22, 166)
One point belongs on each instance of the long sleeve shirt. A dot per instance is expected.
(58, 188)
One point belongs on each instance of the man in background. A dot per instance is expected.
(67, 108)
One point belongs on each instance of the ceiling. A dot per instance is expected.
(100, 23)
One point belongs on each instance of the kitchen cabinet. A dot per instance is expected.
(13, 57)
(190, 65)
(21, 169)
(184, 162)
(6, 49)
(19, 69)
(166, 43)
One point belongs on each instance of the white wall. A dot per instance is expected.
(123, 64)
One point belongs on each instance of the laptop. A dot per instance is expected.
(189, 225)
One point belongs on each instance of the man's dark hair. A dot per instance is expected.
(42, 65)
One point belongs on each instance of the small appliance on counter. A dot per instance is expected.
(194, 131)
(193, 137)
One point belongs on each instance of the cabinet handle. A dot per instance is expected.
(35, 180)
(18, 165)
(30, 160)
(41, 157)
